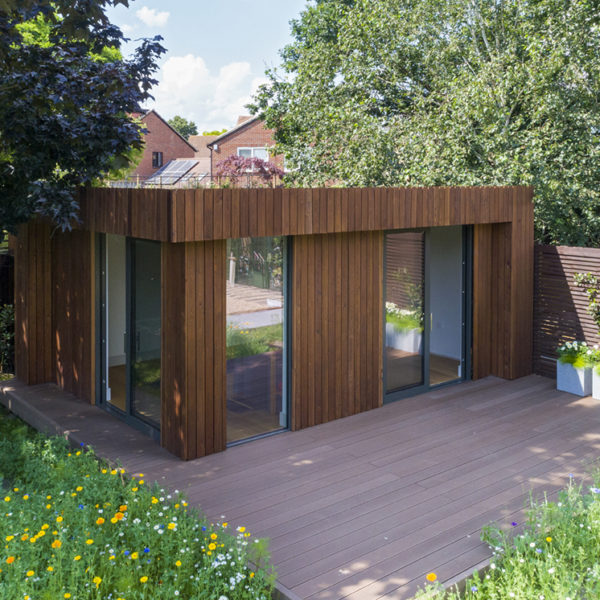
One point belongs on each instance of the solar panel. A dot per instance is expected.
(172, 172)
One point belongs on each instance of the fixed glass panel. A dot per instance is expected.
(145, 330)
(404, 304)
(445, 304)
(116, 321)
(255, 337)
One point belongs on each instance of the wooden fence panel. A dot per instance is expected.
(560, 306)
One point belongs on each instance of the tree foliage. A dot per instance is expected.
(235, 168)
(65, 96)
(215, 132)
(183, 127)
(447, 92)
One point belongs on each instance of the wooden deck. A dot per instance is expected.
(363, 507)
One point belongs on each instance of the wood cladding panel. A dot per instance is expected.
(560, 306)
(179, 215)
(193, 356)
(73, 323)
(33, 304)
(336, 313)
(503, 295)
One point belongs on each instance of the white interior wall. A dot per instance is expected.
(116, 298)
(445, 276)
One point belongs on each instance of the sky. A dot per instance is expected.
(217, 52)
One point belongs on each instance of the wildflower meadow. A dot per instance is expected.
(73, 527)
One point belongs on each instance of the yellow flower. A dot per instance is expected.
(123, 507)
(97, 580)
(134, 489)
(26, 497)
(56, 544)
(67, 595)
(78, 453)
(78, 488)
(225, 525)
(134, 555)
(104, 471)
(89, 542)
(59, 519)
(154, 500)
(213, 536)
(6, 498)
(73, 494)
(178, 563)
(141, 482)
(50, 569)
(45, 526)
(184, 503)
(33, 539)
(241, 529)
(15, 489)
(99, 521)
(143, 579)
(113, 472)
(48, 506)
(113, 520)
(48, 497)
(212, 546)
(140, 474)
(171, 526)
(30, 573)
(8, 538)
(111, 557)
(10, 560)
(431, 577)
(24, 537)
(251, 575)
(77, 557)
(548, 539)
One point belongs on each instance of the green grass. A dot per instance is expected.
(98, 534)
(403, 322)
(249, 342)
(557, 556)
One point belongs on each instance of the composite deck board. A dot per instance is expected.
(362, 508)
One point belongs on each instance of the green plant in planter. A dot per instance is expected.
(402, 320)
(579, 354)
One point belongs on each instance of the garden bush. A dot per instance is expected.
(555, 557)
(73, 527)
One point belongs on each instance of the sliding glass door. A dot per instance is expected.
(426, 309)
(129, 318)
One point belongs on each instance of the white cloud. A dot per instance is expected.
(212, 100)
(151, 18)
(127, 29)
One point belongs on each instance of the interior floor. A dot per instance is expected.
(146, 401)
(405, 369)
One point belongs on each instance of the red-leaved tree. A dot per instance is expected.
(235, 167)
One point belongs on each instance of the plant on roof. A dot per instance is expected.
(236, 169)
(65, 96)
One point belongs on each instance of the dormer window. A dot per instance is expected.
(157, 160)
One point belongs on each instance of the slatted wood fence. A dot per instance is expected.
(560, 307)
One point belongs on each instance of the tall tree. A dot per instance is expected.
(183, 127)
(65, 96)
(447, 92)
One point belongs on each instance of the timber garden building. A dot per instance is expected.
(212, 317)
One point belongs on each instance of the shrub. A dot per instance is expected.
(555, 557)
(7, 338)
(73, 527)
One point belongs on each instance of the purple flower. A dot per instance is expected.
(595, 490)
(473, 588)
(514, 523)
(80, 506)
(538, 550)
(126, 553)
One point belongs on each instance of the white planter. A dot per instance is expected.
(572, 380)
(409, 340)
(596, 385)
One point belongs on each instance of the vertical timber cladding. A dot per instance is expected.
(337, 326)
(503, 294)
(33, 304)
(73, 311)
(193, 359)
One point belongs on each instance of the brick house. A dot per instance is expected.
(249, 138)
(162, 144)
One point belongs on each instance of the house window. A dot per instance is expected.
(157, 159)
(261, 153)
